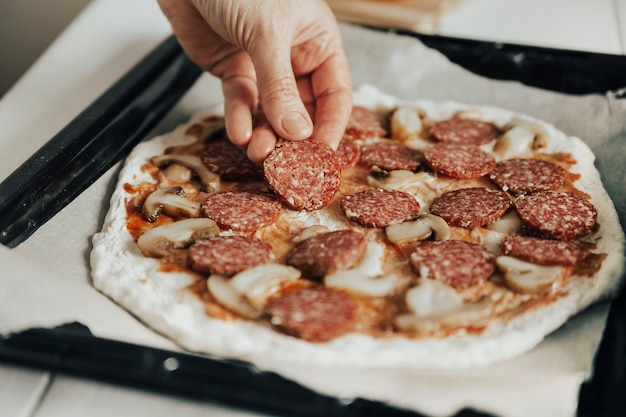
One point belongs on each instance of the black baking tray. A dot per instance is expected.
(565, 71)
(93, 142)
(72, 349)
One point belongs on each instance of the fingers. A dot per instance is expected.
(264, 136)
(278, 92)
(258, 51)
(332, 90)
(263, 140)
(240, 102)
(224, 60)
(195, 36)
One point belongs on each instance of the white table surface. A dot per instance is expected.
(107, 38)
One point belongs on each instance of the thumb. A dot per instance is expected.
(278, 92)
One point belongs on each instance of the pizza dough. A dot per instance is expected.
(172, 300)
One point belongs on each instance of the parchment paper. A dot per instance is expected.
(544, 382)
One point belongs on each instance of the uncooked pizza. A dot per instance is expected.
(438, 235)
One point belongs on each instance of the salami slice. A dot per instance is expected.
(348, 153)
(241, 211)
(228, 255)
(324, 254)
(380, 208)
(230, 162)
(459, 161)
(471, 207)
(556, 215)
(464, 131)
(520, 176)
(542, 251)
(456, 263)
(366, 123)
(390, 156)
(305, 174)
(314, 314)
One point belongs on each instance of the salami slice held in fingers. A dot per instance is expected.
(556, 215)
(471, 207)
(242, 211)
(464, 131)
(390, 156)
(314, 314)
(366, 123)
(230, 162)
(459, 161)
(520, 176)
(228, 255)
(456, 263)
(542, 251)
(305, 174)
(380, 208)
(326, 253)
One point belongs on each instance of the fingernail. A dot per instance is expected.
(296, 125)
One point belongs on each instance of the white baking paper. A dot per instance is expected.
(45, 281)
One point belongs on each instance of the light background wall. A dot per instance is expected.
(27, 28)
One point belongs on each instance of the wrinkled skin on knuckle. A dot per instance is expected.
(239, 23)
(278, 90)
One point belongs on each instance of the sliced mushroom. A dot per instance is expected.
(406, 124)
(472, 114)
(367, 277)
(310, 231)
(514, 142)
(259, 283)
(356, 283)
(467, 314)
(433, 304)
(172, 201)
(158, 241)
(225, 294)
(526, 277)
(507, 224)
(397, 179)
(521, 138)
(495, 118)
(432, 298)
(423, 228)
(209, 180)
(371, 264)
(177, 173)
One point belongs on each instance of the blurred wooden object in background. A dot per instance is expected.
(418, 15)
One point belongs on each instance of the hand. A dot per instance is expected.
(282, 65)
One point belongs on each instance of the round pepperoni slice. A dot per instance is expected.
(456, 263)
(366, 123)
(230, 162)
(521, 176)
(380, 208)
(556, 215)
(324, 254)
(228, 255)
(542, 251)
(459, 161)
(314, 314)
(390, 156)
(305, 174)
(464, 131)
(471, 207)
(348, 153)
(241, 211)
